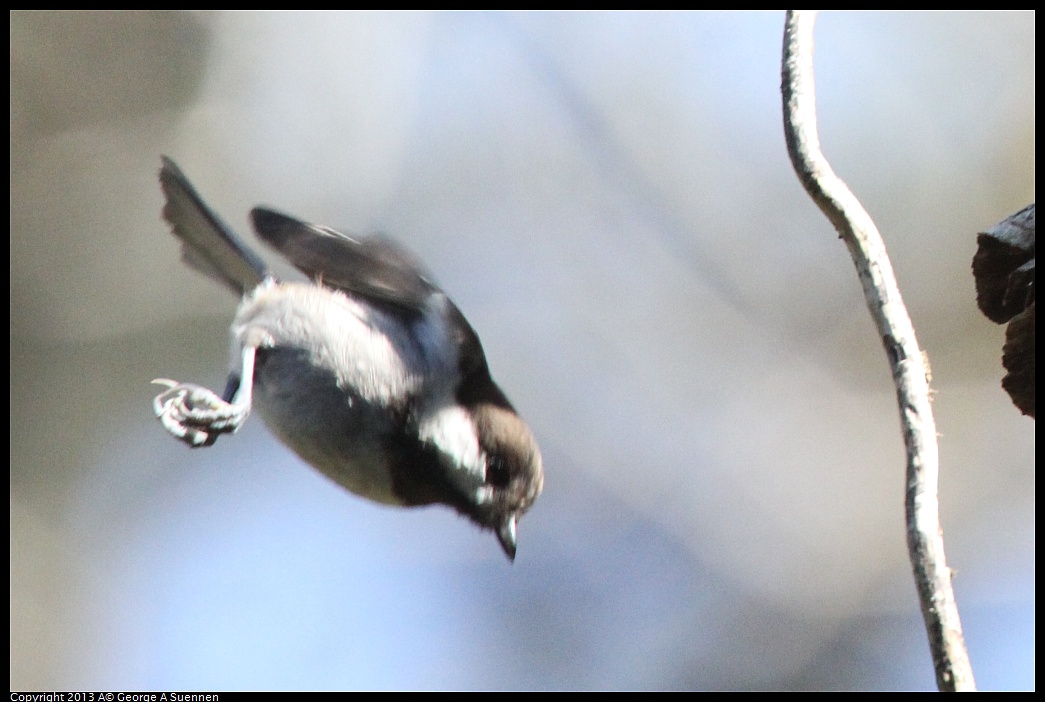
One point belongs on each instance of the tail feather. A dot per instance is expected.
(208, 244)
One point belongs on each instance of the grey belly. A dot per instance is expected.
(332, 428)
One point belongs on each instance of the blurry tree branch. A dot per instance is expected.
(909, 368)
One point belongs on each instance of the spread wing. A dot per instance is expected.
(374, 267)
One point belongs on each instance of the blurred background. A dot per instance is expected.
(608, 199)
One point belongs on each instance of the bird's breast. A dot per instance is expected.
(335, 379)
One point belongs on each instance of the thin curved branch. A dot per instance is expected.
(854, 225)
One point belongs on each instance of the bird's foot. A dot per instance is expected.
(195, 414)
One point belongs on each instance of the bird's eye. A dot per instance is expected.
(497, 472)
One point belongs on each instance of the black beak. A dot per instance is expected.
(506, 535)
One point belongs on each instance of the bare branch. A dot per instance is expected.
(854, 225)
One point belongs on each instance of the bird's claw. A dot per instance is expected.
(195, 414)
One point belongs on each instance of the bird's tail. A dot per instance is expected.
(208, 244)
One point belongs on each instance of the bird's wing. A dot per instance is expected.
(375, 268)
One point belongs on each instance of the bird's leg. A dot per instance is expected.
(197, 415)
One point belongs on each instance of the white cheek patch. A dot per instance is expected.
(451, 430)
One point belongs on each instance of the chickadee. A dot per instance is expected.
(368, 372)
